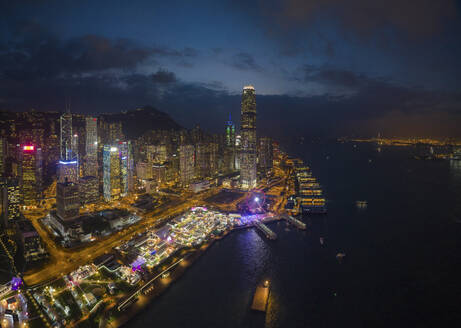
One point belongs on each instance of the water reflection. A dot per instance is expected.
(455, 168)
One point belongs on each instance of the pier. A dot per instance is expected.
(297, 223)
(260, 298)
(265, 230)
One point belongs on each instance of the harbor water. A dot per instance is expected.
(403, 253)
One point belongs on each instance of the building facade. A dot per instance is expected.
(186, 164)
(248, 142)
(112, 185)
(91, 147)
(67, 200)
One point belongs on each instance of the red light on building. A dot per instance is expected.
(95, 119)
(28, 147)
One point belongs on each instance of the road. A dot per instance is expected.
(63, 261)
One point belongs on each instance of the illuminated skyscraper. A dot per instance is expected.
(28, 174)
(112, 186)
(66, 136)
(67, 200)
(186, 164)
(11, 199)
(91, 147)
(265, 154)
(248, 132)
(68, 171)
(230, 133)
(229, 149)
(3, 156)
(126, 167)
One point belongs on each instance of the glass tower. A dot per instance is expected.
(248, 143)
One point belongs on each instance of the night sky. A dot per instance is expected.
(320, 68)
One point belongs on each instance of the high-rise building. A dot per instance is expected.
(144, 170)
(66, 136)
(202, 160)
(91, 147)
(157, 154)
(159, 174)
(68, 171)
(186, 164)
(126, 167)
(89, 189)
(28, 174)
(248, 132)
(11, 199)
(67, 200)
(230, 133)
(3, 156)
(265, 154)
(111, 178)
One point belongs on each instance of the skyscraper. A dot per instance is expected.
(111, 179)
(11, 199)
(66, 136)
(248, 132)
(28, 174)
(265, 154)
(2, 156)
(186, 164)
(91, 147)
(67, 200)
(68, 164)
(229, 149)
(126, 167)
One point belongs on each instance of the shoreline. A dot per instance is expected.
(191, 256)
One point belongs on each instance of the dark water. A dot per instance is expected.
(403, 263)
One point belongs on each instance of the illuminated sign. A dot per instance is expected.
(67, 162)
(28, 147)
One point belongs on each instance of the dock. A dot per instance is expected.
(260, 298)
(297, 223)
(265, 230)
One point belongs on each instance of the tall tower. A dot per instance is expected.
(28, 175)
(91, 146)
(111, 182)
(248, 132)
(186, 164)
(229, 150)
(66, 136)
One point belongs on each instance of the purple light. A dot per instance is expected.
(16, 283)
(137, 264)
(256, 199)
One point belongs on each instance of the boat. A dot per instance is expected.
(261, 297)
(340, 256)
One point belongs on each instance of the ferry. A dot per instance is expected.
(261, 297)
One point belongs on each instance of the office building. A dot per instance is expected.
(66, 136)
(91, 147)
(186, 164)
(67, 200)
(265, 154)
(32, 244)
(10, 193)
(89, 189)
(248, 142)
(68, 171)
(126, 167)
(29, 181)
(112, 185)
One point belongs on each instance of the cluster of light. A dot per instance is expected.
(113, 148)
(28, 147)
(67, 162)
(16, 282)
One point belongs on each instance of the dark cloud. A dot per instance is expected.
(414, 18)
(163, 76)
(50, 57)
(244, 61)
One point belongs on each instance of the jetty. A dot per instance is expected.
(265, 230)
(297, 223)
(261, 297)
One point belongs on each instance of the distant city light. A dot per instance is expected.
(28, 148)
(256, 199)
(67, 162)
(113, 148)
(95, 142)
